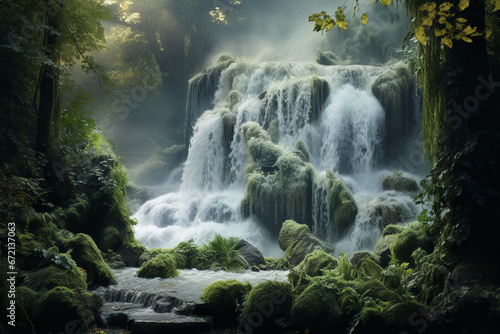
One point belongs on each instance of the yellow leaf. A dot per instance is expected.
(330, 26)
(463, 4)
(488, 32)
(342, 24)
(440, 32)
(427, 22)
(497, 5)
(447, 41)
(461, 20)
(364, 19)
(442, 20)
(445, 6)
(430, 6)
(386, 2)
(420, 35)
(467, 39)
(468, 30)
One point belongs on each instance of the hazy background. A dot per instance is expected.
(155, 46)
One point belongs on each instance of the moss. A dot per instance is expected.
(301, 147)
(160, 266)
(342, 206)
(297, 241)
(314, 263)
(316, 308)
(52, 276)
(382, 248)
(87, 255)
(398, 182)
(223, 297)
(320, 90)
(268, 306)
(251, 130)
(56, 308)
(413, 237)
(274, 131)
(77, 213)
(367, 268)
(392, 229)
(327, 58)
(360, 255)
(110, 238)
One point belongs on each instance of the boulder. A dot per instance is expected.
(223, 297)
(160, 266)
(251, 254)
(87, 256)
(314, 263)
(398, 182)
(382, 249)
(297, 241)
(361, 255)
(49, 277)
(343, 206)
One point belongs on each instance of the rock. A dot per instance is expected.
(56, 308)
(161, 265)
(114, 261)
(413, 237)
(87, 255)
(110, 239)
(130, 254)
(116, 320)
(366, 268)
(390, 209)
(314, 263)
(392, 229)
(255, 268)
(297, 241)
(252, 255)
(382, 249)
(268, 307)
(49, 277)
(224, 296)
(398, 182)
(178, 325)
(343, 206)
(316, 308)
(360, 255)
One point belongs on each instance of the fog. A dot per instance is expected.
(146, 108)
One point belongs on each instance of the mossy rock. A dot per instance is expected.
(131, 252)
(382, 248)
(343, 206)
(160, 266)
(77, 213)
(398, 182)
(61, 307)
(392, 229)
(223, 297)
(406, 242)
(87, 255)
(316, 308)
(297, 241)
(356, 256)
(110, 238)
(274, 131)
(366, 268)
(49, 277)
(314, 263)
(267, 308)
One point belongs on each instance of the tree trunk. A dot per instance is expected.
(48, 90)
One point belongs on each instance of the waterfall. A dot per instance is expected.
(327, 115)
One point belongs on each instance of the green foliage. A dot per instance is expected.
(225, 297)
(367, 268)
(277, 264)
(392, 229)
(344, 267)
(225, 256)
(160, 266)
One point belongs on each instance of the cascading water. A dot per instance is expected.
(330, 110)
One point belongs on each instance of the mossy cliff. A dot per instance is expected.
(280, 185)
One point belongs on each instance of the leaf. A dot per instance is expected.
(420, 35)
(385, 2)
(463, 4)
(342, 24)
(469, 30)
(497, 5)
(364, 19)
(447, 41)
(330, 26)
(461, 20)
(445, 6)
(488, 32)
(430, 6)
(467, 39)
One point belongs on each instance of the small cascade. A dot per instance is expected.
(327, 116)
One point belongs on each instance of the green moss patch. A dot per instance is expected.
(160, 266)
(223, 297)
